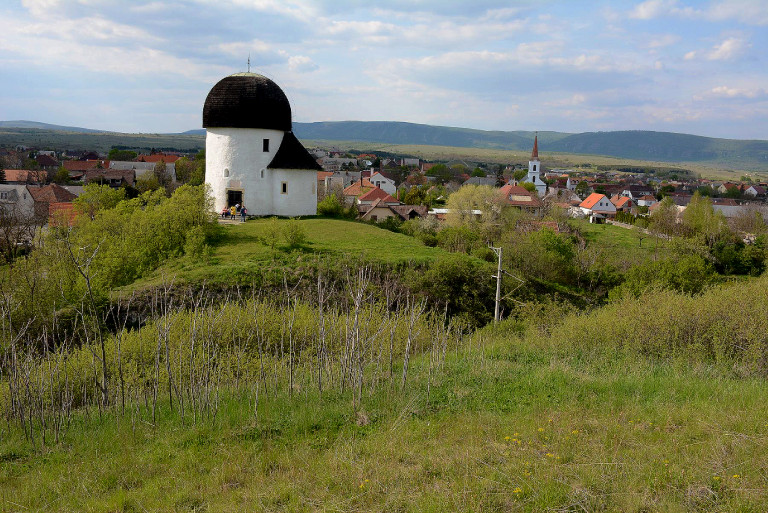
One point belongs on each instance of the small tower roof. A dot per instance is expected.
(535, 152)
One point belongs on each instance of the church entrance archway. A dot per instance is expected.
(234, 198)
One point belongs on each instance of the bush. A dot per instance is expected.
(690, 274)
(294, 233)
(330, 206)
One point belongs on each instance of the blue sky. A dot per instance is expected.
(146, 66)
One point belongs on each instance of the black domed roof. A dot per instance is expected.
(247, 100)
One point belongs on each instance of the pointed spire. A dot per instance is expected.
(535, 152)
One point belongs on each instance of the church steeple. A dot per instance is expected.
(535, 152)
(534, 169)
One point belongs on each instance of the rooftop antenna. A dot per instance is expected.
(249, 63)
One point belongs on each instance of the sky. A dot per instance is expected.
(685, 66)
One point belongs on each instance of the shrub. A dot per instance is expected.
(330, 206)
(294, 233)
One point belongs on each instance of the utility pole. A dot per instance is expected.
(496, 316)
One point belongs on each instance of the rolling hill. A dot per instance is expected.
(631, 144)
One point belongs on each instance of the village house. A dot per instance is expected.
(383, 182)
(518, 196)
(756, 191)
(622, 203)
(356, 190)
(597, 207)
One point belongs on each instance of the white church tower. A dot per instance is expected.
(534, 170)
(252, 157)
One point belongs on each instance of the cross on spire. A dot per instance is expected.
(249, 63)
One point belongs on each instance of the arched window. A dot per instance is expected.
(262, 172)
(226, 171)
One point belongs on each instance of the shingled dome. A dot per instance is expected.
(247, 100)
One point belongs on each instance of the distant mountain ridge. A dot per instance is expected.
(629, 144)
(20, 123)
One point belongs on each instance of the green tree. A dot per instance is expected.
(118, 154)
(519, 174)
(97, 198)
(2, 175)
(61, 176)
(185, 169)
(147, 182)
(163, 177)
(464, 204)
(582, 188)
(441, 173)
(664, 218)
(500, 176)
(478, 172)
(700, 220)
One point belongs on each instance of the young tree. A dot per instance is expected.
(185, 169)
(96, 198)
(61, 176)
(664, 219)
(2, 175)
(465, 203)
(700, 219)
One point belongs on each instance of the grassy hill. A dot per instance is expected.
(242, 253)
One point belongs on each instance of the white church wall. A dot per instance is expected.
(234, 160)
(299, 197)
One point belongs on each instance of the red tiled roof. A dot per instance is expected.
(46, 161)
(592, 200)
(322, 175)
(84, 165)
(52, 193)
(24, 176)
(157, 157)
(375, 194)
(519, 196)
(127, 175)
(60, 213)
(621, 201)
(358, 188)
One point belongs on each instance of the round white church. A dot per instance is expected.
(252, 157)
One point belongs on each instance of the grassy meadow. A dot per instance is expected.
(656, 405)
(506, 426)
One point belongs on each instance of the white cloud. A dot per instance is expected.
(301, 63)
(734, 92)
(651, 9)
(661, 41)
(751, 12)
(728, 49)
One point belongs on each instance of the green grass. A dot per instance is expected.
(509, 427)
(622, 245)
(241, 254)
